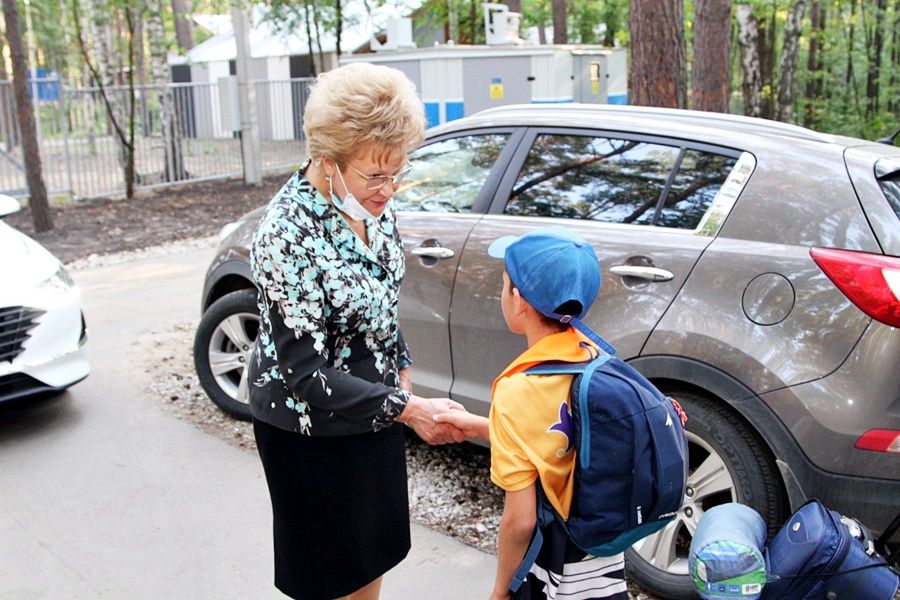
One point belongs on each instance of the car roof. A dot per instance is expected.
(690, 124)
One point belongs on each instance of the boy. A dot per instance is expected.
(551, 277)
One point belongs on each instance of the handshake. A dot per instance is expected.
(442, 421)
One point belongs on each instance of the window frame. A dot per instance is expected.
(530, 134)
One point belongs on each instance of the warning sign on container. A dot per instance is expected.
(496, 89)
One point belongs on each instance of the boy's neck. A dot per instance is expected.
(536, 331)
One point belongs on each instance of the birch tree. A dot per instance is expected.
(787, 66)
(173, 160)
(748, 41)
(712, 55)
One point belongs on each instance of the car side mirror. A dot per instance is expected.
(8, 205)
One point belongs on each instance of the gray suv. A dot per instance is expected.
(751, 270)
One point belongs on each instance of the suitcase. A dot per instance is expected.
(820, 554)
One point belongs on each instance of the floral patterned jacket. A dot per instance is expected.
(329, 350)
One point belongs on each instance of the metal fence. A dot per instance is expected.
(82, 157)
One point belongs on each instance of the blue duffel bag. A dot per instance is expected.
(821, 554)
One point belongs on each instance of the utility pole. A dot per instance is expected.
(246, 99)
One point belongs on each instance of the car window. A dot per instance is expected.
(890, 186)
(447, 175)
(617, 181)
(697, 181)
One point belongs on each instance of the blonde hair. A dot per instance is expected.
(362, 105)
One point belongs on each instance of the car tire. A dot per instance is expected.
(728, 462)
(222, 347)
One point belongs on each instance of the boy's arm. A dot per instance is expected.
(516, 526)
(473, 426)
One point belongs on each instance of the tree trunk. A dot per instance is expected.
(657, 76)
(184, 30)
(894, 99)
(173, 161)
(307, 13)
(766, 49)
(514, 6)
(560, 32)
(712, 55)
(339, 27)
(784, 110)
(98, 19)
(874, 74)
(748, 40)
(31, 153)
(814, 63)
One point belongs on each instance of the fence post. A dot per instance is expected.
(250, 149)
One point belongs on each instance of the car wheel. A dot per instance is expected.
(222, 348)
(727, 463)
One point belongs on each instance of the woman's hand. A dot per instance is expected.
(419, 414)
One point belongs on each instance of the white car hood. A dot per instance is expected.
(23, 262)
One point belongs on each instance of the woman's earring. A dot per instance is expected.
(330, 189)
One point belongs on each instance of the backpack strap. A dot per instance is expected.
(584, 451)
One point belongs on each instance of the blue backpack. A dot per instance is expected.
(631, 457)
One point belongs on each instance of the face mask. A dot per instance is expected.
(350, 206)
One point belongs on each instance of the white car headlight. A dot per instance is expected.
(60, 280)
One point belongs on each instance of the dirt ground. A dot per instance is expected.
(153, 217)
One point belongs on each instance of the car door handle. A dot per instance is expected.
(649, 273)
(433, 251)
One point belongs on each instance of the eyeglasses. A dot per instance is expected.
(376, 182)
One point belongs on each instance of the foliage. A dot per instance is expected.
(840, 91)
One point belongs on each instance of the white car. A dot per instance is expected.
(42, 329)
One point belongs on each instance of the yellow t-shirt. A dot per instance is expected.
(530, 421)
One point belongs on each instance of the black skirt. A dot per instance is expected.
(339, 505)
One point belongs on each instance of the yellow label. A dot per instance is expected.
(496, 91)
(595, 87)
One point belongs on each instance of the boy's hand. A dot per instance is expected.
(419, 414)
(472, 426)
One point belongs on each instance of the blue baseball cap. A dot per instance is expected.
(550, 267)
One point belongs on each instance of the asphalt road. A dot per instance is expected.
(103, 494)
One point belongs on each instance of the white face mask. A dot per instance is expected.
(350, 206)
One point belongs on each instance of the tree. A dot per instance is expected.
(560, 33)
(874, 51)
(184, 33)
(31, 153)
(784, 109)
(173, 160)
(657, 75)
(124, 139)
(712, 55)
(751, 80)
(814, 62)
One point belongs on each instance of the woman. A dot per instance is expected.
(330, 371)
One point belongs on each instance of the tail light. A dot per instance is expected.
(880, 440)
(870, 281)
